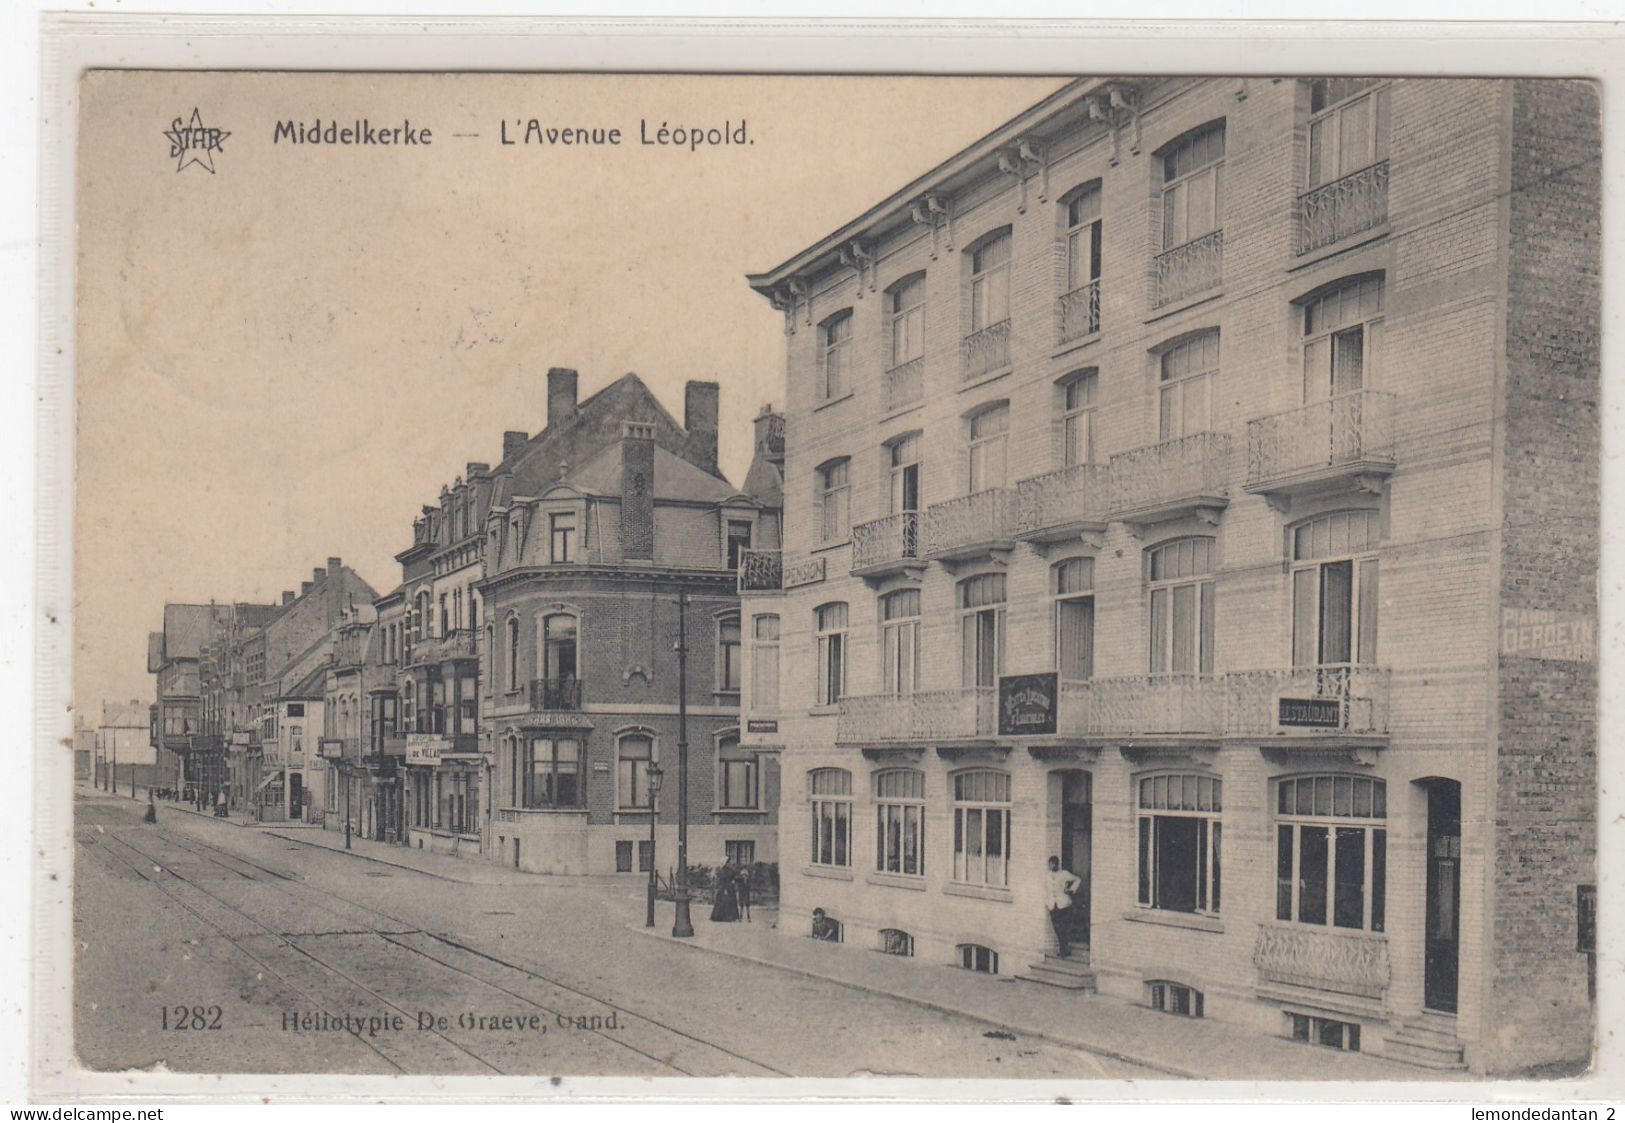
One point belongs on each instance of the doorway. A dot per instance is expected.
(1077, 817)
(296, 801)
(1442, 954)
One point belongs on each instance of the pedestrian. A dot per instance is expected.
(744, 891)
(823, 928)
(1062, 884)
(726, 906)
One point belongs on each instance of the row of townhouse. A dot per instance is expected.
(509, 698)
(1196, 480)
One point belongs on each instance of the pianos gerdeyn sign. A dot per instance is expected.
(1027, 704)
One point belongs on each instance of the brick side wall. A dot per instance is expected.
(1546, 837)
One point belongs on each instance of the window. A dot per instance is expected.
(1174, 998)
(1348, 127)
(457, 801)
(830, 621)
(738, 777)
(468, 705)
(559, 633)
(834, 499)
(990, 282)
(738, 540)
(895, 941)
(764, 664)
(728, 660)
(1083, 238)
(445, 616)
(1329, 1032)
(975, 957)
(1179, 835)
(1334, 590)
(900, 821)
(1182, 612)
(830, 796)
(1188, 372)
(409, 713)
(1342, 339)
(903, 479)
(981, 624)
(296, 709)
(623, 856)
(989, 438)
(905, 303)
(982, 827)
(1193, 186)
(740, 851)
(646, 855)
(633, 754)
(834, 342)
(900, 642)
(1331, 851)
(1078, 418)
(513, 653)
(1073, 587)
(561, 530)
(551, 773)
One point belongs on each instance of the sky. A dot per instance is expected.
(281, 359)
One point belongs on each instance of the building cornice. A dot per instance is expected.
(722, 578)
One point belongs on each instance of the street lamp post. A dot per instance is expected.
(654, 775)
(683, 925)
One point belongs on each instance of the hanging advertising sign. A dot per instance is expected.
(1027, 704)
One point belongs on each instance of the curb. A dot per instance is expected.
(939, 1007)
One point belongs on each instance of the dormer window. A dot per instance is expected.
(561, 537)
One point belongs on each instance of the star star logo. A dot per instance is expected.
(193, 142)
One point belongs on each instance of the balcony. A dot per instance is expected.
(1345, 441)
(971, 526)
(1308, 701)
(1324, 959)
(1189, 270)
(1063, 504)
(1142, 705)
(985, 351)
(886, 546)
(1077, 314)
(760, 571)
(903, 386)
(457, 644)
(1343, 208)
(555, 694)
(921, 718)
(1182, 476)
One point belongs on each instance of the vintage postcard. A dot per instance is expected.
(1088, 577)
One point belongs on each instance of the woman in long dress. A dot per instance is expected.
(727, 901)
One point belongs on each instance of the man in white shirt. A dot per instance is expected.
(1062, 884)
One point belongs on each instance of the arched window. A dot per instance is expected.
(764, 663)
(1331, 851)
(1188, 372)
(738, 776)
(903, 482)
(900, 642)
(513, 653)
(834, 500)
(559, 634)
(900, 821)
(1079, 307)
(834, 350)
(905, 315)
(1077, 401)
(1342, 341)
(551, 772)
(1348, 127)
(1334, 591)
(830, 623)
(990, 281)
(729, 670)
(1073, 586)
(1182, 606)
(634, 752)
(1192, 185)
(979, 958)
(895, 941)
(988, 434)
(981, 630)
(830, 800)
(982, 827)
(1179, 834)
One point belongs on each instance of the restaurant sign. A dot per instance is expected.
(1027, 704)
(1309, 713)
(426, 748)
(761, 726)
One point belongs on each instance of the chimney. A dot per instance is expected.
(637, 491)
(333, 566)
(511, 442)
(304, 587)
(287, 596)
(700, 419)
(770, 435)
(561, 396)
(317, 574)
(475, 468)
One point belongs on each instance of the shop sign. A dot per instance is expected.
(426, 748)
(1027, 704)
(1309, 713)
(761, 727)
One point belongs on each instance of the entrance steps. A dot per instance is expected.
(1068, 974)
(1428, 1041)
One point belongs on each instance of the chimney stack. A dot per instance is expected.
(304, 587)
(561, 396)
(770, 435)
(637, 491)
(512, 440)
(475, 468)
(700, 419)
(333, 566)
(287, 596)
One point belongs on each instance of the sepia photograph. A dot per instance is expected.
(1089, 577)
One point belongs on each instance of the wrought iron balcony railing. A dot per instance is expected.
(760, 571)
(457, 644)
(1334, 698)
(924, 716)
(985, 351)
(1323, 959)
(1077, 314)
(555, 694)
(1342, 208)
(903, 385)
(1131, 705)
(1350, 431)
(1170, 473)
(969, 525)
(1063, 501)
(1192, 268)
(886, 543)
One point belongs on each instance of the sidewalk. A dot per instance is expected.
(1106, 1026)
